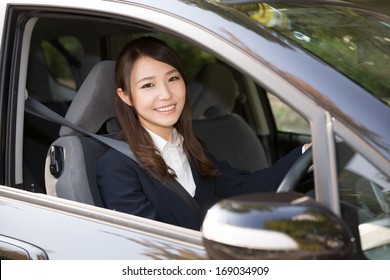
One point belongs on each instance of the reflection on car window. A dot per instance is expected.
(354, 41)
(62, 57)
(365, 197)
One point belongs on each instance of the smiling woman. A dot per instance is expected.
(156, 123)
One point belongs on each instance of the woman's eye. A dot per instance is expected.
(148, 85)
(175, 78)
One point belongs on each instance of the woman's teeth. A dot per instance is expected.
(165, 109)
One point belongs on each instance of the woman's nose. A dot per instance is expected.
(165, 93)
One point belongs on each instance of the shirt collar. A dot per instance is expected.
(161, 143)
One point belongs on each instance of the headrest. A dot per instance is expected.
(213, 92)
(93, 104)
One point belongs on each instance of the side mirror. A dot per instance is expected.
(275, 226)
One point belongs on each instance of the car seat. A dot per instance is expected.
(227, 135)
(70, 168)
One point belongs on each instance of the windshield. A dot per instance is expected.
(354, 41)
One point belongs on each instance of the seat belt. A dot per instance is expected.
(34, 107)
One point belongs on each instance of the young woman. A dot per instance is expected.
(155, 119)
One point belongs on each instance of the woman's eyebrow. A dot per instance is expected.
(171, 71)
(145, 79)
(152, 77)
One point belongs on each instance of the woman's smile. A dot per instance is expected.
(166, 109)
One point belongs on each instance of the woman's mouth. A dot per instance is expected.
(165, 108)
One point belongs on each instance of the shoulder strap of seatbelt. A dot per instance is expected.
(34, 107)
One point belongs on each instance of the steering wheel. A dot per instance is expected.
(297, 171)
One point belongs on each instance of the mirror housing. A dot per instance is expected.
(275, 226)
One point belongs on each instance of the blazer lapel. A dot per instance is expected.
(204, 193)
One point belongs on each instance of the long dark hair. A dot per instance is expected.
(134, 133)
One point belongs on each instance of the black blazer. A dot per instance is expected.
(126, 187)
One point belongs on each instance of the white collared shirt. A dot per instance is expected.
(175, 157)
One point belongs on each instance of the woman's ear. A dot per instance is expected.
(125, 97)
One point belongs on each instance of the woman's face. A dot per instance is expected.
(158, 92)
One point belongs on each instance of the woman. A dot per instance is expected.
(155, 118)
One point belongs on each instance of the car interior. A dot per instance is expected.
(61, 69)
